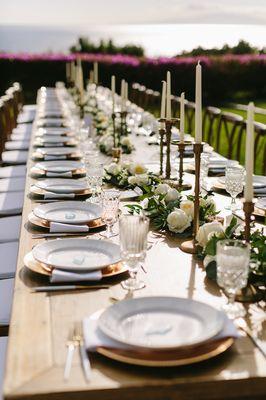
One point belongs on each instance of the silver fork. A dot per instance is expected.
(241, 324)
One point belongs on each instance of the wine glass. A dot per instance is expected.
(110, 203)
(232, 258)
(234, 181)
(133, 231)
(204, 170)
(94, 175)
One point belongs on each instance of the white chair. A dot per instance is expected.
(11, 203)
(9, 253)
(14, 171)
(12, 185)
(3, 349)
(10, 229)
(15, 157)
(6, 296)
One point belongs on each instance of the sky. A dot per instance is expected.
(87, 12)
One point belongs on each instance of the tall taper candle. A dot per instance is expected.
(91, 78)
(95, 72)
(113, 92)
(126, 91)
(163, 104)
(122, 94)
(168, 96)
(249, 153)
(72, 72)
(182, 116)
(198, 109)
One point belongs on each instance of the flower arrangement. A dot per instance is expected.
(106, 144)
(210, 233)
(130, 175)
(170, 210)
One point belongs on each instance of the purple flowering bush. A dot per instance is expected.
(224, 77)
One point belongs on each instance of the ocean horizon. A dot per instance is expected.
(157, 39)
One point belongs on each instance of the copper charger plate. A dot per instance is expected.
(43, 269)
(43, 223)
(40, 173)
(37, 156)
(36, 191)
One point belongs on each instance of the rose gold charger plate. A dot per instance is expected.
(40, 193)
(40, 173)
(44, 224)
(43, 269)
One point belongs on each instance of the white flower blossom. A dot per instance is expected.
(162, 188)
(172, 195)
(188, 207)
(205, 230)
(178, 221)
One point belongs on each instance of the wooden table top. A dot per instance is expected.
(41, 322)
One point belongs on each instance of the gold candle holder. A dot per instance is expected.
(190, 246)
(181, 149)
(116, 154)
(169, 123)
(248, 208)
(162, 134)
(114, 128)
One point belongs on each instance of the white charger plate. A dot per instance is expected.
(68, 212)
(161, 322)
(77, 254)
(57, 185)
(59, 166)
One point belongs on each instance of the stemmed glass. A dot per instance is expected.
(110, 203)
(234, 181)
(204, 170)
(232, 258)
(133, 230)
(94, 175)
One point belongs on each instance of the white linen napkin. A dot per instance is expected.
(67, 174)
(53, 144)
(69, 276)
(60, 227)
(59, 195)
(48, 157)
(94, 337)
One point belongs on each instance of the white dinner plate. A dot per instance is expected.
(68, 212)
(59, 166)
(57, 185)
(55, 151)
(77, 254)
(161, 322)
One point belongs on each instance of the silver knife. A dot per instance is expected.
(60, 288)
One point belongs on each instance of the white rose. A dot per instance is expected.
(126, 165)
(188, 207)
(142, 179)
(144, 203)
(126, 142)
(132, 180)
(137, 169)
(178, 221)
(172, 195)
(113, 169)
(162, 188)
(205, 230)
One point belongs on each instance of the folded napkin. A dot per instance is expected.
(55, 157)
(260, 191)
(94, 337)
(69, 276)
(50, 195)
(53, 144)
(67, 174)
(60, 227)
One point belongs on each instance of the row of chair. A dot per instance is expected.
(224, 131)
(15, 130)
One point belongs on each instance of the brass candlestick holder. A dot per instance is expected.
(116, 154)
(123, 123)
(169, 123)
(248, 208)
(162, 134)
(114, 127)
(181, 149)
(190, 246)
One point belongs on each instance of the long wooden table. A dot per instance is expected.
(40, 325)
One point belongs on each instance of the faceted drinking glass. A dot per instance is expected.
(110, 204)
(234, 181)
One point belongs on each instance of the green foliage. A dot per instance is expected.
(243, 47)
(84, 45)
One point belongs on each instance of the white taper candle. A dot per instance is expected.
(113, 92)
(95, 72)
(249, 157)
(168, 96)
(182, 117)
(198, 108)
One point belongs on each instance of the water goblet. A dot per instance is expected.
(94, 175)
(234, 181)
(133, 231)
(232, 259)
(204, 170)
(110, 204)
